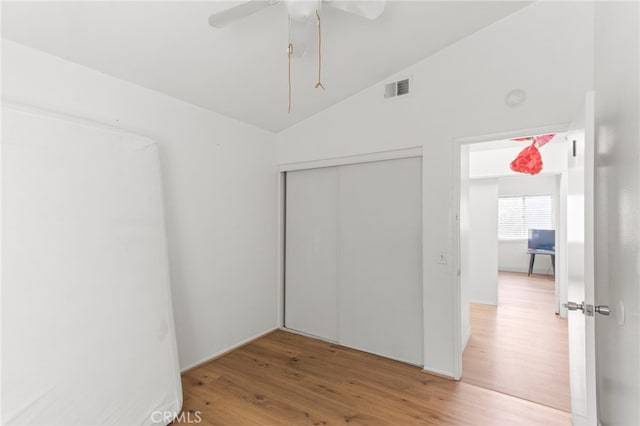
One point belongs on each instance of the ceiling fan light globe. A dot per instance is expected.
(369, 9)
(302, 9)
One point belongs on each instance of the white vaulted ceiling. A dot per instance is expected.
(241, 70)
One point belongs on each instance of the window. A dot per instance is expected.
(516, 215)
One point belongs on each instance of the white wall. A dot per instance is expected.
(483, 241)
(617, 189)
(512, 254)
(220, 184)
(459, 92)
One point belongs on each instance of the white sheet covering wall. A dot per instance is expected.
(87, 327)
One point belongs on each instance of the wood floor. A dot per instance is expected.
(287, 379)
(521, 347)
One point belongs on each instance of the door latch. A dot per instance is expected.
(587, 309)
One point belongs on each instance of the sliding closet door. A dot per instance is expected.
(380, 258)
(310, 276)
(354, 256)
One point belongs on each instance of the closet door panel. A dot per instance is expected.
(380, 258)
(310, 269)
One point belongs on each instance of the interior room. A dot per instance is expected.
(297, 212)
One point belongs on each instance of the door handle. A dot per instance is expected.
(587, 309)
(573, 306)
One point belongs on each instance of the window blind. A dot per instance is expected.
(516, 215)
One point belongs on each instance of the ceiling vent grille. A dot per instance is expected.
(397, 88)
(403, 87)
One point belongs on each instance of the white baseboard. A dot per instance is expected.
(312, 336)
(223, 352)
(484, 302)
(536, 271)
(520, 270)
(465, 338)
(440, 373)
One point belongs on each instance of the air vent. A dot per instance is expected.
(397, 88)
(403, 87)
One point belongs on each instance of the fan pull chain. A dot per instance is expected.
(319, 84)
(289, 54)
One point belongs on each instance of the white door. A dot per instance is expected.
(311, 250)
(353, 268)
(380, 258)
(580, 271)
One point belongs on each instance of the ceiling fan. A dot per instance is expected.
(298, 9)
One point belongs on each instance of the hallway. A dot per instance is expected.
(520, 348)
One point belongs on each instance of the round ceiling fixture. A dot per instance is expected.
(515, 98)
(302, 9)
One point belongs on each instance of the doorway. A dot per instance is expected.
(514, 339)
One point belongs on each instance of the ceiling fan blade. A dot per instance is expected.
(370, 9)
(226, 17)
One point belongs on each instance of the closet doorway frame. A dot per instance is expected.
(283, 169)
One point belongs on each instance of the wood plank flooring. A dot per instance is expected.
(288, 379)
(521, 347)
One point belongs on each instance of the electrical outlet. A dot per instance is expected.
(442, 257)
